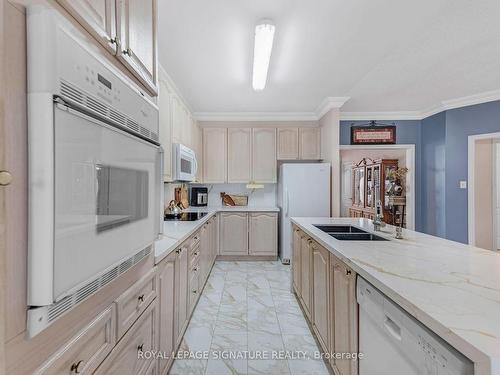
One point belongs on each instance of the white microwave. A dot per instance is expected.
(185, 165)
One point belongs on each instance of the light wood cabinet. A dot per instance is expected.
(263, 236)
(214, 155)
(344, 315)
(165, 126)
(288, 144)
(166, 295)
(321, 295)
(306, 264)
(85, 351)
(326, 289)
(181, 293)
(98, 18)
(233, 233)
(136, 22)
(134, 301)
(264, 155)
(309, 143)
(296, 264)
(126, 357)
(239, 155)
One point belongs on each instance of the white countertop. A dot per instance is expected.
(176, 232)
(452, 288)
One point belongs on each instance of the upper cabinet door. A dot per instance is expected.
(97, 17)
(288, 144)
(309, 145)
(239, 160)
(137, 28)
(264, 155)
(214, 155)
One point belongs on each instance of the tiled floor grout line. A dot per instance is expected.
(216, 319)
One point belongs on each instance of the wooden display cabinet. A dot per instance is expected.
(370, 183)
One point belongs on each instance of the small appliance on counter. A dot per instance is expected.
(199, 196)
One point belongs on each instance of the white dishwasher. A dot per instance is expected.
(393, 342)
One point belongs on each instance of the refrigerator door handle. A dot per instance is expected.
(287, 202)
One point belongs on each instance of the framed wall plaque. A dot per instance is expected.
(373, 134)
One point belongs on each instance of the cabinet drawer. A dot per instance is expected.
(126, 358)
(132, 303)
(86, 351)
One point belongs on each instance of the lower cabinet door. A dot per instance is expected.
(345, 316)
(263, 234)
(84, 353)
(181, 292)
(233, 233)
(129, 356)
(296, 264)
(321, 291)
(194, 288)
(306, 286)
(166, 302)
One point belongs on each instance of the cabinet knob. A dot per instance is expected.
(127, 51)
(141, 298)
(5, 178)
(140, 347)
(195, 291)
(178, 251)
(196, 253)
(75, 367)
(112, 40)
(347, 272)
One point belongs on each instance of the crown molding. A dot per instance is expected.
(255, 116)
(330, 103)
(367, 116)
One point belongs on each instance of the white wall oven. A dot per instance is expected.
(185, 164)
(94, 170)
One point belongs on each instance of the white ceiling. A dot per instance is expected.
(386, 55)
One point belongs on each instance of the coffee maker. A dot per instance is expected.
(199, 196)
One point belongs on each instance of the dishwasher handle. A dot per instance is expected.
(392, 328)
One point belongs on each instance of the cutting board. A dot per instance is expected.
(234, 199)
(181, 196)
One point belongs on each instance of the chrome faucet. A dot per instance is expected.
(378, 221)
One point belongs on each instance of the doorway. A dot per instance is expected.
(405, 156)
(484, 191)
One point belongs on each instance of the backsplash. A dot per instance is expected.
(265, 197)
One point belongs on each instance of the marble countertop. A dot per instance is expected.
(452, 288)
(176, 232)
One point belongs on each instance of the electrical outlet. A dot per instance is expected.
(463, 184)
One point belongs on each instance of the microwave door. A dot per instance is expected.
(106, 198)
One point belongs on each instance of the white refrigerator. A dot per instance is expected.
(303, 191)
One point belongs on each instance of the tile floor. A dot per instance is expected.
(247, 308)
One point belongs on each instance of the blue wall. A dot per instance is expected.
(432, 184)
(460, 123)
(441, 145)
(407, 132)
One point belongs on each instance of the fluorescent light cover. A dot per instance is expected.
(264, 36)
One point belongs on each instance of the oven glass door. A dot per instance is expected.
(105, 198)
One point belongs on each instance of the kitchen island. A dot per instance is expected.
(451, 288)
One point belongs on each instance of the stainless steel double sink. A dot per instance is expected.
(349, 233)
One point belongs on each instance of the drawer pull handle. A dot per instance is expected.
(195, 269)
(196, 253)
(74, 367)
(127, 51)
(347, 272)
(178, 251)
(195, 291)
(141, 298)
(140, 347)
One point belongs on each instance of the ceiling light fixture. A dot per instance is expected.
(264, 36)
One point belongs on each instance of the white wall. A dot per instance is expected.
(330, 134)
(265, 197)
